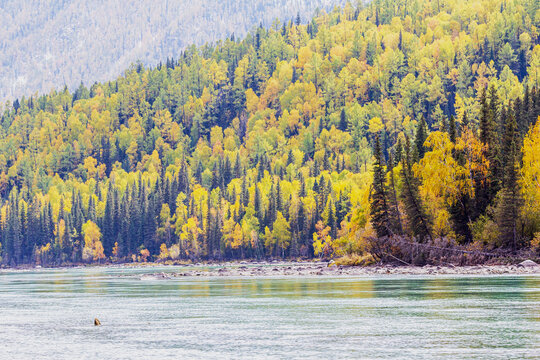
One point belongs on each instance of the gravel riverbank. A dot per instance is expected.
(323, 269)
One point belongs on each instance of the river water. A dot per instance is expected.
(49, 314)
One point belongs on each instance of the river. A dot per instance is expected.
(49, 314)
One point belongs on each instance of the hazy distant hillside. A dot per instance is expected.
(45, 44)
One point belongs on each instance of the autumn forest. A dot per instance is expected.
(409, 119)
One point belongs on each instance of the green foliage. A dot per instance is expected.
(380, 196)
(418, 221)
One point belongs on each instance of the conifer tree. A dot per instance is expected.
(343, 124)
(488, 186)
(395, 212)
(510, 200)
(379, 195)
(452, 129)
(108, 223)
(421, 136)
(417, 217)
(257, 205)
(460, 210)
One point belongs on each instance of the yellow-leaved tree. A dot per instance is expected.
(280, 237)
(322, 241)
(443, 179)
(93, 248)
(163, 252)
(189, 235)
(530, 179)
(230, 235)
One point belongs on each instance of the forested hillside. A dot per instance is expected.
(415, 119)
(46, 44)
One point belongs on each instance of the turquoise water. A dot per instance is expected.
(50, 313)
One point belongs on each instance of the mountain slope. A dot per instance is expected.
(46, 44)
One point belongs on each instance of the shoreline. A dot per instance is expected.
(292, 269)
(322, 269)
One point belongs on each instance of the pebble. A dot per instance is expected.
(528, 263)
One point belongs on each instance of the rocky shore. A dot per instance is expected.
(323, 269)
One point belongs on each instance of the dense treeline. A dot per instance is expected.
(466, 182)
(401, 118)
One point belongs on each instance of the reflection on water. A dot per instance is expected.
(49, 314)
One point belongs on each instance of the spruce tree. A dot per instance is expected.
(486, 127)
(510, 199)
(237, 167)
(394, 204)
(461, 209)
(417, 217)
(379, 195)
(452, 129)
(494, 156)
(332, 222)
(257, 205)
(488, 186)
(343, 124)
(108, 223)
(92, 209)
(421, 136)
